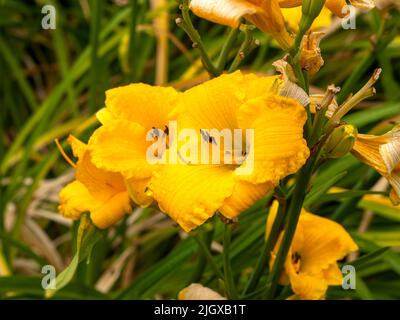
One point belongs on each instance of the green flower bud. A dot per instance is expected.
(340, 142)
(310, 11)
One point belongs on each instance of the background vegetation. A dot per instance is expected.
(52, 83)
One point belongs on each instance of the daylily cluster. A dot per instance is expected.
(113, 172)
(114, 163)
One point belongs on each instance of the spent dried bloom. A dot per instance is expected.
(383, 154)
(197, 291)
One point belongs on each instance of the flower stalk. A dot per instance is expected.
(186, 24)
(223, 57)
(207, 254)
(229, 281)
(263, 260)
(292, 218)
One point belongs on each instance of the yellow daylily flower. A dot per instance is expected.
(198, 292)
(335, 6)
(121, 143)
(311, 264)
(265, 14)
(100, 192)
(190, 193)
(383, 154)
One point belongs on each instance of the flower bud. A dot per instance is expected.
(340, 142)
(310, 11)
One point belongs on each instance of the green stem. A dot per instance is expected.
(244, 48)
(292, 219)
(229, 281)
(207, 254)
(303, 82)
(207, 237)
(263, 260)
(188, 27)
(226, 49)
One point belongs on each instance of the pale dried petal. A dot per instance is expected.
(227, 12)
(198, 292)
(316, 100)
(363, 4)
(310, 58)
(391, 154)
(290, 89)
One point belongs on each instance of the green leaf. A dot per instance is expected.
(318, 190)
(381, 209)
(87, 237)
(369, 257)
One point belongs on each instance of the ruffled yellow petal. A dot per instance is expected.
(101, 184)
(256, 86)
(333, 275)
(120, 146)
(243, 196)
(100, 192)
(308, 287)
(74, 200)
(190, 194)
(146, 105)
(111, 211)
(137, 191)
(311, 265)
(325, 243)
(279, 148)
(214, 104)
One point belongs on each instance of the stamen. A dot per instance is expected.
(207, 137)
(68, 159)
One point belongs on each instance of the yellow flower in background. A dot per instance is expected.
(311, 264)
(97, 191)
(191, 193)
(293, 17)
(383, 154)
(198, 292)
(265, 14)
(121, 143)
(335, 6)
